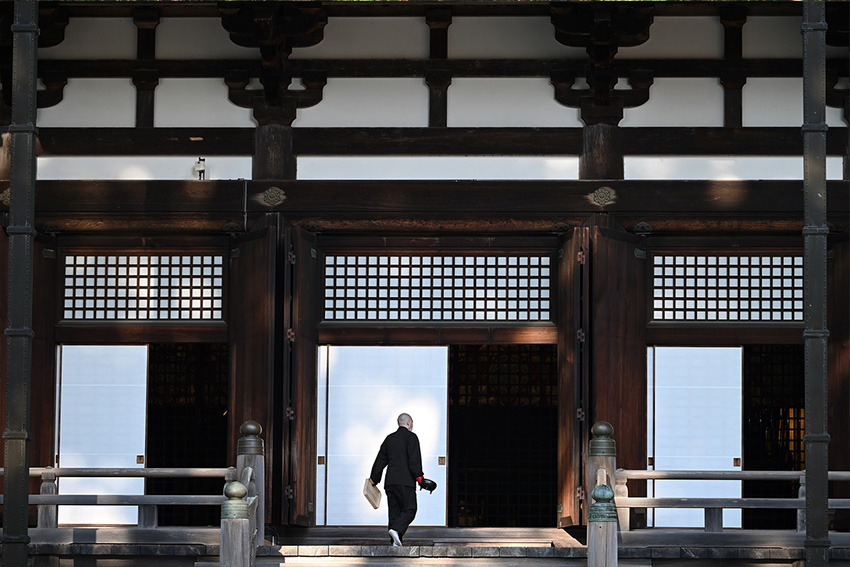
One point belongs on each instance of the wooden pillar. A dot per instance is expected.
(273, 155)
(815, 234)
(145, 81)
(19, 332)
(601, 156)
(438, 80)
(732, 76)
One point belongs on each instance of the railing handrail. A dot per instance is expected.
(639, 474)
(125, 499)
(106, 472)
(731, 502)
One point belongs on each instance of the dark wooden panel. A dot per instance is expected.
(84, 333)
(838, 347)
(618, 382)
(147, 142)
(139, 197)
(251, 304)
(43, 404)
(719, 335)
(572, 369)
(305, 303)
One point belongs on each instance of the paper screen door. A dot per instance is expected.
(102, 411)
(361, 392)
(695, 424)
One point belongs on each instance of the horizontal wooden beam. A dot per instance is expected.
(655, 141)
(400, 68)
(139, 332)
(667, 198)
(436, 335)
(146, 141)
(417, 206)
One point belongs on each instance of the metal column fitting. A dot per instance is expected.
(235, 507)
(19, 333)
(601, 445)
(815, 234)
(603, 508)
(250, 443)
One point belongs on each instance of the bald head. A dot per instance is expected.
(404, 420)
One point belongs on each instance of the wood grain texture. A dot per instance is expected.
(618, 382)
(251, 300)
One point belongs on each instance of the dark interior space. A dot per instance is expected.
(187, 424)
(773, 422)
(503, 434)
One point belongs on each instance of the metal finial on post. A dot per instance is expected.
(235, 550)
(602, 528)
(602, 455)
(250, 453)
(250, 443)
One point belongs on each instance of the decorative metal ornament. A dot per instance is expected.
(274, 196)
(6, 197)
(603, 196)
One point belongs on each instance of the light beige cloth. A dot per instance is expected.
(372, 493)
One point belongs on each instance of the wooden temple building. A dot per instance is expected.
(549, 193)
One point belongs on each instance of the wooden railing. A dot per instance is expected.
(714, 506)
(243, 511)
(602, 470)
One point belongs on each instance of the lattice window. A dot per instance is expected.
(437, 288)
(727, 288)
(115, 287)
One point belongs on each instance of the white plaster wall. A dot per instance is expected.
(722, 167)
(679, 102)
(369, 102)
(679, 38)
(142, 167)
(92, 102)
(507, 38)
(772, 37)
(779, 102)
(437, 167)
(507, 102)
(197, 102)
(197, 38)
(363, 38)
(95, 38)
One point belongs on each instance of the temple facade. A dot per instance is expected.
(509, 219)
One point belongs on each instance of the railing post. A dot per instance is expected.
(48, 513)
(235, 550)
(602, 454)
(602, 528)
(621, 490)
(148, 516)
(250, 452)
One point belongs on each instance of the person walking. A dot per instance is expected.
(401, 456)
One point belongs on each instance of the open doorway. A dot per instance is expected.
(503, 436)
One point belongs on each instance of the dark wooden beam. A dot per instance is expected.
(398, 68)
(487, 199)
(688, 141)
(436, 335)
(426, 206)
(146, 141)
